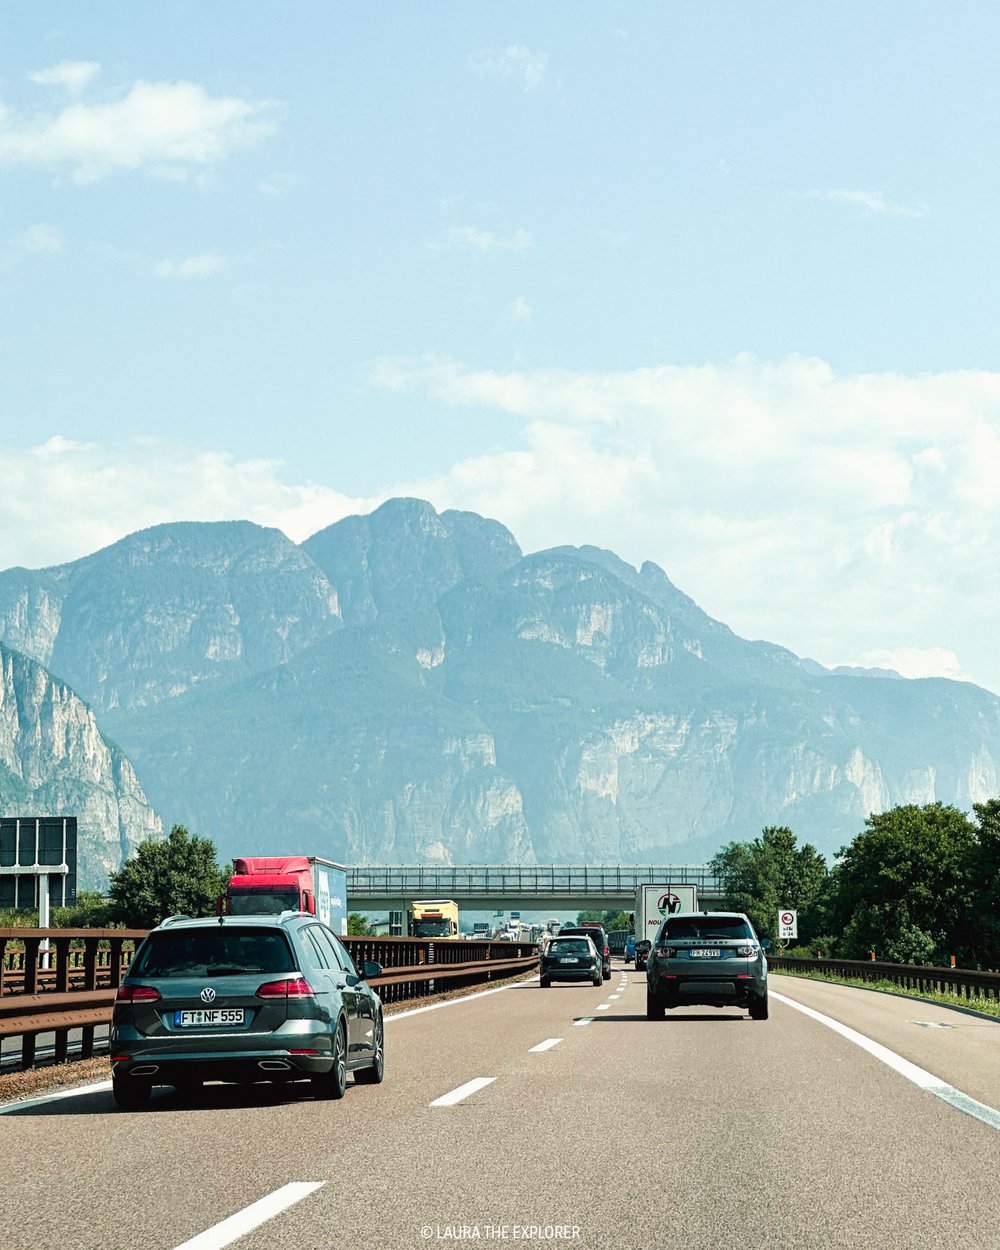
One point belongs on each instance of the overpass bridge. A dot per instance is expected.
(515, 887)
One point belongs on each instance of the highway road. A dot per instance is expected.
(557, 1116)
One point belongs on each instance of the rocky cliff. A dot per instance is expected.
(54, 760)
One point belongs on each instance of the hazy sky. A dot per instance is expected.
(712, 284)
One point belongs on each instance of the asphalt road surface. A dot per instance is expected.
(561, 1116)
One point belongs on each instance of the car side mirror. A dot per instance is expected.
(765, 944)
(370, 969)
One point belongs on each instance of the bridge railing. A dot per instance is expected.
(504, 879)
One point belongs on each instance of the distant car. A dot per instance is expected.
(629, 949)
(569, 959)
(642, 954)
(600, 939)
(707, 957)
(248, 998)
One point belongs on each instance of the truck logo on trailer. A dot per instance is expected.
(668, 904)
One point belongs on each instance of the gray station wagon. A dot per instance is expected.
(247, 999)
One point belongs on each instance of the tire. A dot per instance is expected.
(655, 1009)
(130, 1095)
(544, 983)
(606, 976)
(333, 1084)
(374, 1074)
(758, 1008)
(597, 982)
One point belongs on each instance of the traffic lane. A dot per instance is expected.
(178, 1144)
(964, 1053)
(724, 1132)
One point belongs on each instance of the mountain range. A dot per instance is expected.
(409, 686)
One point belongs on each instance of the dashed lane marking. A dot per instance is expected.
(546, 1045)
(251, 1217)
(463, 1091)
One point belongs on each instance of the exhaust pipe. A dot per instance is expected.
(145, 1069)
(274, 1065)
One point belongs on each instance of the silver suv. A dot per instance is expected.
(244, 998)
(712, 957)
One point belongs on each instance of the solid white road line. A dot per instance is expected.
(463, 1091)
(546, 1045)
(251, 1217)
(919, 1076)
(78, 1091)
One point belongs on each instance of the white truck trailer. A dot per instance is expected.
(654, 902)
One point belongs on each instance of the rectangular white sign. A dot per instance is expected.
(788, 923)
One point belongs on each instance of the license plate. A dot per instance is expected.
(711, 952)
(218, 1017)
(564, 959)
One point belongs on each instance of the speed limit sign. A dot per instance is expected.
(788, 923)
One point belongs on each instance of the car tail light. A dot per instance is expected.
(747, 952)
(303, 1052)
(136, 994)
(293, 987)
(666, 952)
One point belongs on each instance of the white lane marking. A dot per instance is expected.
(77, 1092)
(603, 1007)
(251, 1217)
(583, 1020)
(919, 1076)
(455, 1002)
(463, 1091)
(546, 1045)
(612, 997)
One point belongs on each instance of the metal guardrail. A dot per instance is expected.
(77, 991)
(967, 983)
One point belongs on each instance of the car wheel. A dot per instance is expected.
(130, 1095)
(374, 1074)
(606, 976)
(758, 1008)
(544, 982)
(655, 1009)
(333, 1084)
(598, 981)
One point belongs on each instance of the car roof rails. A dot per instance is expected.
(173, 919)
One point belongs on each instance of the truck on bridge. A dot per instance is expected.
(654, 902)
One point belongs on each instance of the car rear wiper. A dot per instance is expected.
(227, 970)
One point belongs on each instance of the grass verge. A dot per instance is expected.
(981, 1006)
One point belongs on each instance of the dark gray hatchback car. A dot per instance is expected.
(246, 999)
(711, 957)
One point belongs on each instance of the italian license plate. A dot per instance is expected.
(709, 952)
(218, 1017)
(564, 959)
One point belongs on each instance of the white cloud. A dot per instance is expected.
(916, 662)
(73, 75)
(41, 239)
(165, 129)
(836, 515)
(873, 203)
(514, 62)
(520, 309)
(202, 266)
(482, 240)
(118, 489)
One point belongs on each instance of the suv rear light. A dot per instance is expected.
(747, 952)
(666, 952)
(293, 987)
(137, 994)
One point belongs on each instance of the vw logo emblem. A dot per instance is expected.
(208, 994)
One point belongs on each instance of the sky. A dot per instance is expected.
(714, 285)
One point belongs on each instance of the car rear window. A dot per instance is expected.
(213, 952)
(704, 928)
(573, 946)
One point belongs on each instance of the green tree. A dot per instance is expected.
(90, 911)
(985, 936)
(905, 887)
(179, 875)
(357, 925)
(611, 919)
(772, 872)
